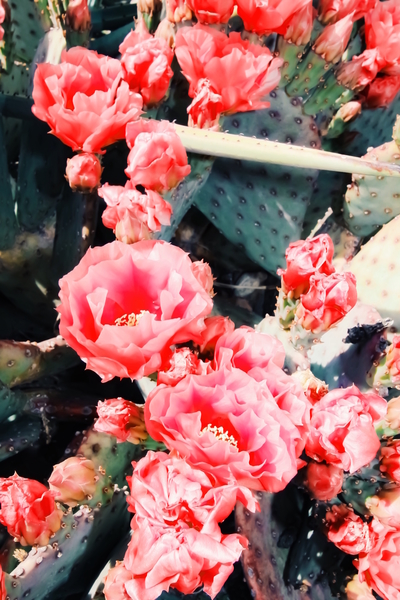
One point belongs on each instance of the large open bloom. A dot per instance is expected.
(242, 74)
(176, 538)
(84, 99)
(124, 305)
(28, 510)
(342, 429)
(228, 425)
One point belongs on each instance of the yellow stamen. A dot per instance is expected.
(220, 434)
(130, 320)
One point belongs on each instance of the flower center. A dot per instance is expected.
(220, 434)
(130, 320)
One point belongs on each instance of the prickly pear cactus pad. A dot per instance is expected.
(262, 208)
(199, 364)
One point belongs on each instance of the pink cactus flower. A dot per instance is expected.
(324, 482)
(28, 510)
(134, 216)
(348, 531)
(328, 300)
(157, 159)
(124, 305)
(84, 100)
(122, 419)
(242, 74)
(304, 259)
(146, 61)
(228, 425)
(342, 431)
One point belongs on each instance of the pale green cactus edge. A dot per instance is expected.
(215, 143)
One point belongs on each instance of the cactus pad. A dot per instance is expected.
(259, 208)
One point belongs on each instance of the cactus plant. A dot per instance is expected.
(265, 176)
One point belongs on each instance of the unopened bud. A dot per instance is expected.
(166, 31)
(83, 172)
(73, 480)
(78, 15)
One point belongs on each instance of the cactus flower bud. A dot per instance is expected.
(177, 11)
(212, 11)
(123, 419)
(83, 172)
(390, 460)
(333, 41)
(392, 416)
(28, 510)
(204, 276)
(149, 7)
(385, 506)
(349, 111)
(356, 590)
(73, 480)
(78, 15)
(166, 31)
(358, 72)
(300, 25)
(324, 482)
(328, 300)
(114, 584)
(304, 259)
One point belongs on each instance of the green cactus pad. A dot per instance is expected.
(371, 128)
(261, 209)
(377, 270)
(41, 171)
(21, 362)
(328, 192)
(309, 73)
(29, 21)
(11, 402)
(271, 532)
(370, 202)
(8, 221)
(18, 435)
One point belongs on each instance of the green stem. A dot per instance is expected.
(245, 148)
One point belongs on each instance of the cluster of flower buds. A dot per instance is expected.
(313, 297)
